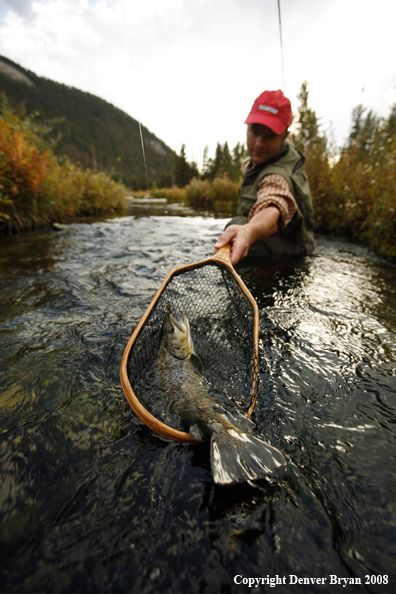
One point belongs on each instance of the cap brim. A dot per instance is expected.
(267, 119)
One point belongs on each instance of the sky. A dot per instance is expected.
(189, 70)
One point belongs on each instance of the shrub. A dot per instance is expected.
(217, 195)
(35, 189)
(354, 188)
(173, 194)
(198, 193)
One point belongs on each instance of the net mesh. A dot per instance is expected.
(221, 319)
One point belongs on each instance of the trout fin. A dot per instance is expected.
(196, 361)
(238, 457)
(196, 432)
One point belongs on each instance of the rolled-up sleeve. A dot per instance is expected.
(275, 191)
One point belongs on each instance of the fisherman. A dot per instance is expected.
(275, 214)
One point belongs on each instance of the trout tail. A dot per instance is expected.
(237, 457)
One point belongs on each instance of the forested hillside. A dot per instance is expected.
(93, 133)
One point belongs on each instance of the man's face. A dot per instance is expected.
(263, 143)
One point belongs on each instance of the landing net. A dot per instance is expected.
(222, 321)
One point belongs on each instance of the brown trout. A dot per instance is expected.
(235, 454)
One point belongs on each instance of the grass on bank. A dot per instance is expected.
(36, 189)
(219, 195)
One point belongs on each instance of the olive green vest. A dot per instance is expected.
(289, 163)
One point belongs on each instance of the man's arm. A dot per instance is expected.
(259, 228)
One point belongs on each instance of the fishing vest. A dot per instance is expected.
(289, 163)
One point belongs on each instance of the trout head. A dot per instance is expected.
(178, 339)
(177, 333)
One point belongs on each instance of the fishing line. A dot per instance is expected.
(137, 105)
(281, 44)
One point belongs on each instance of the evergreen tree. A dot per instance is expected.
(312, 143)
(238, 155)
(205, 159)
(307, 124)
(364, 132)
(357, 117)
(226, 161)
(390, 128)
(183, 171)
(165, 180)
(216, 169)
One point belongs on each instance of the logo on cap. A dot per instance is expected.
(268, 108)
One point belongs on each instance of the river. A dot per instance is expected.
(93, 501)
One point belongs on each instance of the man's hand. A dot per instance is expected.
(241, 237)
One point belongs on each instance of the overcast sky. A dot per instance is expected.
(190, 70)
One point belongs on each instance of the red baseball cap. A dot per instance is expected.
(271, 109)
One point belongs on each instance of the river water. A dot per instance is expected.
(93, 501)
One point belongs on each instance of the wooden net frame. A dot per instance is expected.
(225, 324)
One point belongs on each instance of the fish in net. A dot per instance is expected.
(222, 320)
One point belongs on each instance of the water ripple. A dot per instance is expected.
(91, 500)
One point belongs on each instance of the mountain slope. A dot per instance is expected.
(95, 134)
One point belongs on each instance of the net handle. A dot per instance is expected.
(223, 254)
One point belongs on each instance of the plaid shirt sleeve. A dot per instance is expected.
(275, 191)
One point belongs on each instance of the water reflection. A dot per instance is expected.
(91, 500)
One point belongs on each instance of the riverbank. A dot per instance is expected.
(353, 194)
(218, 196)
(348, 201)
(36, 189)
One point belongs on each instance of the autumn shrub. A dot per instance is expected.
(353, 188)
(22, 170)
(224, 191)
(35, 189)
(361, 197)
(173, 194)
(219, 195)
(198, 193)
